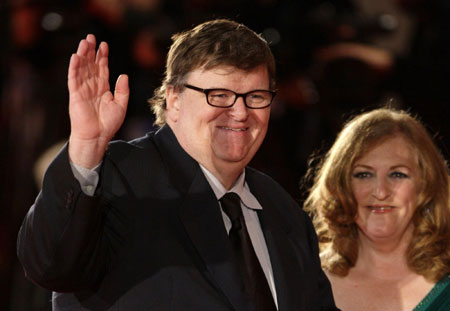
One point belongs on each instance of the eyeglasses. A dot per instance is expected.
(223, 98)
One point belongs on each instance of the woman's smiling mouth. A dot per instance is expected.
(380, 209)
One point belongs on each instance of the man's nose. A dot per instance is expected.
(239, 110)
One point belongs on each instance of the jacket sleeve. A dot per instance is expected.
(60, 243)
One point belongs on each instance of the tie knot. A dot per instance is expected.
(231, 205)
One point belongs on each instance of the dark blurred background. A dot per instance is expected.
(334, 59)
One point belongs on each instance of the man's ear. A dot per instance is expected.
(172, 103)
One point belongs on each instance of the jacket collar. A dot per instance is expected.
(282, 242)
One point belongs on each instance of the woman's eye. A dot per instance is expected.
(362, 175)
(398, 175)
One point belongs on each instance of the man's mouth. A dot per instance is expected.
(240, 129)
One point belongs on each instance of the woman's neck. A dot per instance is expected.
(385, 259)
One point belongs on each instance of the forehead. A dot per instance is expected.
(393, 149)
(225, 76)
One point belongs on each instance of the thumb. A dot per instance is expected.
(122, 91)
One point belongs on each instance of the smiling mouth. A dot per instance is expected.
(380, 209)
(234, 129)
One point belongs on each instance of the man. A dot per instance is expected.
(144, 225)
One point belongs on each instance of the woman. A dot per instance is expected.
(381, 207)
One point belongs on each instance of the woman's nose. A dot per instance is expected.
(382, 189)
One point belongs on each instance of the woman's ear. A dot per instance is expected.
(172, 103)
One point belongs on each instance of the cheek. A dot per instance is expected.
(358, 220)
(198, 119)
(409, 195)
(263, 116)
(360, 216)
(360, 191)
(261, 119)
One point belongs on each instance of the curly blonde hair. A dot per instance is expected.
(208, 45)
(333, 207)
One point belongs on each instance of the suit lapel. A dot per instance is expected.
(286, 262)
(202, 219)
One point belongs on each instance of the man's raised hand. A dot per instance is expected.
(96, 114)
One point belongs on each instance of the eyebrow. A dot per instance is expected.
(391, 168)
(400, 165)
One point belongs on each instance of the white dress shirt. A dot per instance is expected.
(250, 206)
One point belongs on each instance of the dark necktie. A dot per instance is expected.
(255, 281)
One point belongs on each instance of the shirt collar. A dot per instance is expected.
(240, 187)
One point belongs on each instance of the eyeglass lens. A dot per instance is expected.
(224, 98)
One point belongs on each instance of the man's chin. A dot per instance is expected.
(236, 159)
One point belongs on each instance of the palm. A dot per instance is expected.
(96, 113)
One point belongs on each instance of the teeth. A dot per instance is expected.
(381, 208)
(234, 129)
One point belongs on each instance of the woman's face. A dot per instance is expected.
(385, 185)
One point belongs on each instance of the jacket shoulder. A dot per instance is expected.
(260, 181)
(140, 142)
(120, 149)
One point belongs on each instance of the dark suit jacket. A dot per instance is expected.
(153, 237)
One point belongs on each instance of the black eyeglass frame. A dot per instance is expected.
(237, 95)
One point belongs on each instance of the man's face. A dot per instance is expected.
(219, 137)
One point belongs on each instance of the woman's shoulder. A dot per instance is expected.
(438, 298)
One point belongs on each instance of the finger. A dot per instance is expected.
(82, 48)
(90, 39)
(103, 51)
(122, 91)
(102, 60)
(82, 64)
(72, 72)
